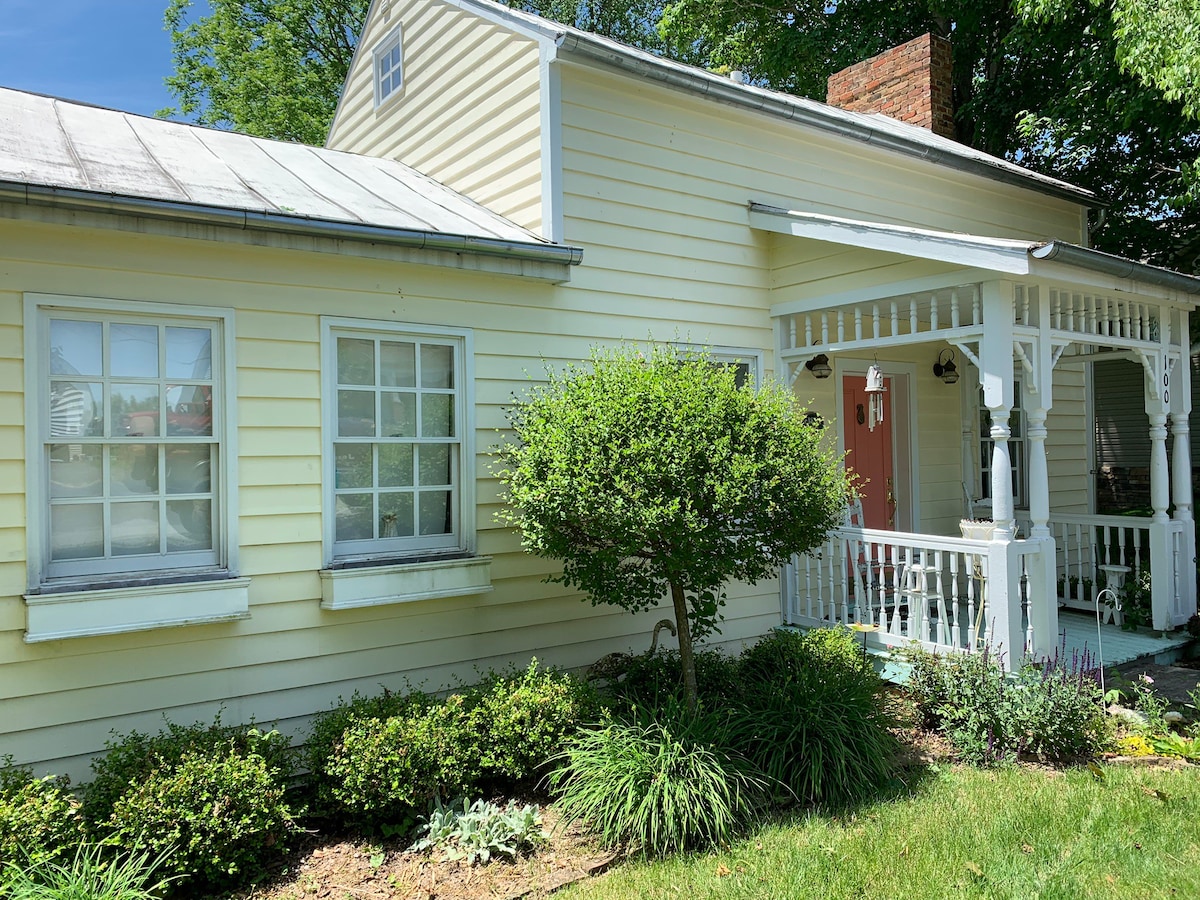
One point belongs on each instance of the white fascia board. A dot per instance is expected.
(544, 31)
(992, 254)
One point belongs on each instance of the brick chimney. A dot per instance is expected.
(911, 83)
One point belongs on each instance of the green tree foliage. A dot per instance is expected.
(272, 68)
(1104, 96)
(653, 472)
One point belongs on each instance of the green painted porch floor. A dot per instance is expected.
(1119, 647)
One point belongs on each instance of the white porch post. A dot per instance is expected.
(1005, 632)
(1181, 472)
(1162, 566)
(1042, 569)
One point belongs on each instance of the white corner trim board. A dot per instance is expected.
(52, 617)
(405, 582)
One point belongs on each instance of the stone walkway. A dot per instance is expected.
(1171, 682)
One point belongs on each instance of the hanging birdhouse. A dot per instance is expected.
(876, 388)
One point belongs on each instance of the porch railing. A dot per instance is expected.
(903, 587)
(1084, 544)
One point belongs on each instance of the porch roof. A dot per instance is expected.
(1003, 255)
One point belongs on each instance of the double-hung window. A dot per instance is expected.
(397, 453)
(129, 441)
(130, 470)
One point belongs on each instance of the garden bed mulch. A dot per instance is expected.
(333, 869)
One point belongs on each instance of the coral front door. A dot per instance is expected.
(869, 452)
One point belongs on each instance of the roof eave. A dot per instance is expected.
(585, 46)
(1116, 266)
(265, 220)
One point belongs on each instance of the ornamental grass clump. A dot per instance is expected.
(94, 872)
(654, 788)
(814, 717)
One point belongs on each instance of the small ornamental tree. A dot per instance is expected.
(653, 472)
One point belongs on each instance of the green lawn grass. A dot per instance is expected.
(959, 832)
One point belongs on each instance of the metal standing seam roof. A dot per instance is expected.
(56, 147)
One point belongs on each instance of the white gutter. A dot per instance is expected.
(264, 220)
(1116, 266)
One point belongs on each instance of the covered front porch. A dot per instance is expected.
(977, 521)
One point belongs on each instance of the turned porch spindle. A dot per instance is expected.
(1181, 467)
(1039, 478)
(1002, 486)
(1160, 495)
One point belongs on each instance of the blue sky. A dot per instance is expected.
(108, 52)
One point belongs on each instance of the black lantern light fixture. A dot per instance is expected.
(945, 369)
(819, 366)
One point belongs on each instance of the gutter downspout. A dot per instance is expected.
(264, 220)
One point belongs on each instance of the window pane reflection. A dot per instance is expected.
(75, 409)
(76, 470)
(77, 531)
(189, 353)
(134, 528)
(76, 348)
(133, 350)
(133, 469)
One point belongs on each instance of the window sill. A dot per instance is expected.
(89, 613)
(405, 582)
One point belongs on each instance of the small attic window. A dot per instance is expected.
(389, 68)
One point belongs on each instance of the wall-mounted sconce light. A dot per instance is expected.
(945, 369)
(819, 366)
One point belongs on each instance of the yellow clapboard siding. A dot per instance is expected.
(671, 132)
(470, 87)
(288, 470)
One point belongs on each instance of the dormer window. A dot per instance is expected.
(389, 68)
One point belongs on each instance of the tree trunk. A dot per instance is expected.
(687, 661)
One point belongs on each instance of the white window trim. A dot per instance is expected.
(730, 355)
(109, 611)
(466, 422)
(405, 582)
(394, 39)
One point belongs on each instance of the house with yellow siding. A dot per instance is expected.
(250, 387)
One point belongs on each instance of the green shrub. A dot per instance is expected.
(814, 717)
(650, 678)
(93, 873)
(130, 760)
(481, 830)
(1057, 712)
(1050, 709)
(521, 719)
(654, 787)
(217, 816)
(386, 771)
(328, 727)
(496, 736)
(40, 822)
